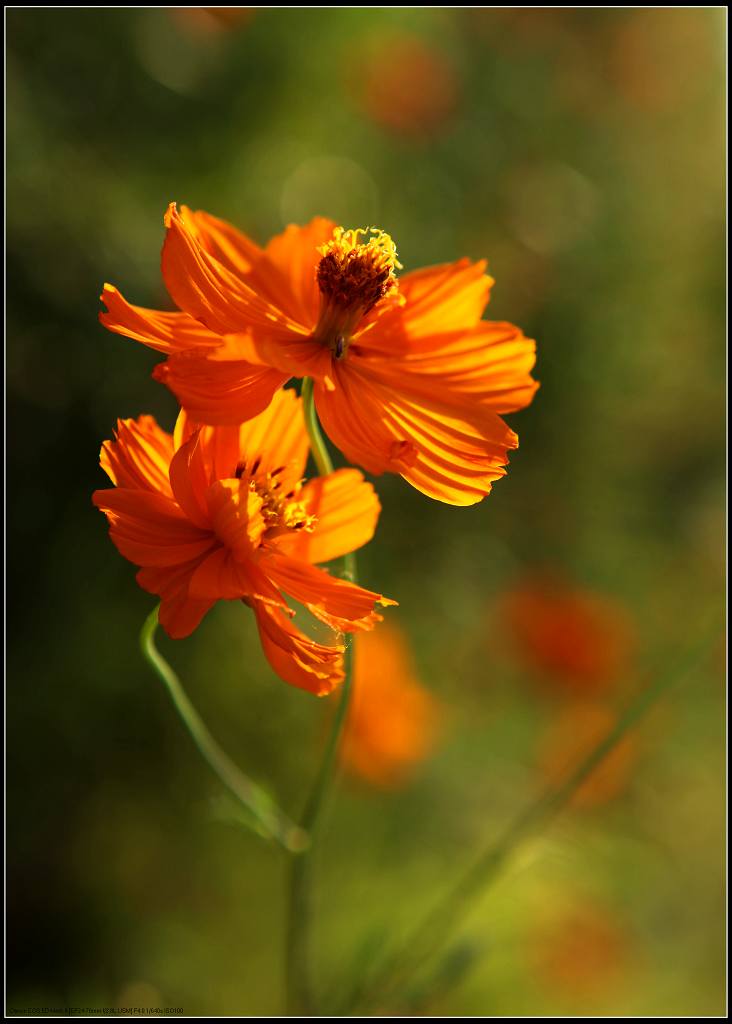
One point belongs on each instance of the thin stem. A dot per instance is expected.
(299, 986)
(299, 923)
(270, 821)
(432, 933)
(318, 446)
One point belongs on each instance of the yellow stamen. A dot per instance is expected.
(281, 511)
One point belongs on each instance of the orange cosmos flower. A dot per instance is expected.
(221, 513)
(211, 20)
(578, 641)
(407, 377)
(393, 721)
(419, 95)
(584, 952)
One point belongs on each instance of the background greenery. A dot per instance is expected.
(581, 151)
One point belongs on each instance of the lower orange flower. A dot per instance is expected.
(393, 721)
(222, 513)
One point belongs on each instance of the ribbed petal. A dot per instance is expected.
(222, 390)
(490, 364)
(190, 481)
(221, 577)
(208, 290)
(139, 456)
(450, 455)
(448, 297)
(165, 332)
(294, 253)
(277, 437)
(235, 514)
(346, 511)
(275, 273)
(296, 658)
(149, 529)
(434, 300)
(179, 613)
(343, 605)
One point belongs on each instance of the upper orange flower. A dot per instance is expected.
(216, 513)
(407, 377)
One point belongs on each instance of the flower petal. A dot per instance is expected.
(447, 453)
(448, 297)
(353, 421)
(149, 529)
(235, 514)
(346, 509)
(219, 391)
(190, 481)
(139, 456)
(295, 254)
(293, 354)
(491, 363)
(276, 437)
(273, 441)
(339, 603)
(165, 332)
(208, 290)
(296, 658)
(179, 613)
(221, 577)
(265, 271)
(231, 247)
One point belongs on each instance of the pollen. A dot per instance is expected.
(281, 512)
(353, 276)
(357, 274)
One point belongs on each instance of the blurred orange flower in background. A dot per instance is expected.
(393, 722)
(407, 377)
(211, 19)
(570, 737)
(582, 952)
(418, 95)
(659, 57)
(577, 642)
(221, 513)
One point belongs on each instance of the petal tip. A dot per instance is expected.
(170, 214)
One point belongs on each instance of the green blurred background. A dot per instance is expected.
(581, 152)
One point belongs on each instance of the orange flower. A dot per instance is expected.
(579, 641)
(418, 96)
(392, 722)
(583, 953)
(407, 377)
(220, 513)
(211, 20)
(571, 737)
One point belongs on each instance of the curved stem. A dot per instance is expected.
(271, 822)
(426, 939)
(299, 986)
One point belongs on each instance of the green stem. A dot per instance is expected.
(427, 938)
(271, 822)
(300, 1000)
(318, 446)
